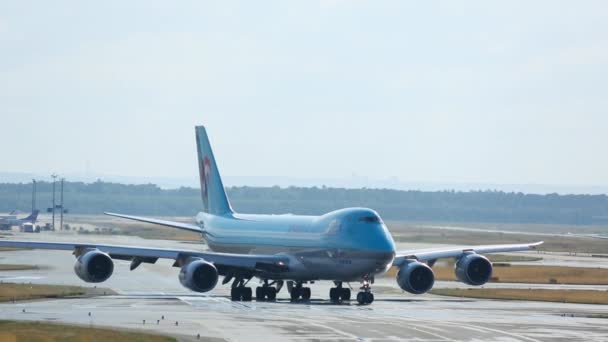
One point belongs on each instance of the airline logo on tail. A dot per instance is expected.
(205, 175)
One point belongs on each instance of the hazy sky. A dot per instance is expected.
(440, 91)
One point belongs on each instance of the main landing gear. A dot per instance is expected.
(298, 292)
(240, 292)
(365, 296)
(339, 294)
(267, 292)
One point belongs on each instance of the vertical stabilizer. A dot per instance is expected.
(33, 216)
(213, 194)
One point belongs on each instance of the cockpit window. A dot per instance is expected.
(370, 219)
(334, 227)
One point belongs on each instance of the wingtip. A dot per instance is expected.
(536, 244)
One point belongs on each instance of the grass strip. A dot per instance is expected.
(13, 291)
(38, 331)
(543, 295)
(530, 274)
(14, 267)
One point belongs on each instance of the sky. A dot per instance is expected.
(510, 92)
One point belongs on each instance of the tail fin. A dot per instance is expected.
(214, 196)
(33, 216)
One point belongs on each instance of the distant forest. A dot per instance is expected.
(439, 206)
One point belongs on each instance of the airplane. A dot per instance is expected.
(342, 246)
(7, 222)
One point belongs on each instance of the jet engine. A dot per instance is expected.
(473, 269)
(94, 266)
(415, 277)
(198, 275)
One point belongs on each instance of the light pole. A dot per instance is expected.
(54, 176)
(33, 195)
(61, 219)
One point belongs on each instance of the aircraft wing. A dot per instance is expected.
(178, 225)
(455, 252)
(224, 262)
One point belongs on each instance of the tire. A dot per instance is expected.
(360, 298)
(370, 298)
(246, 294)
(306, 293)
(271, 294)
(259, 294)
(333, 294)
(295, 294)
(345, 294)
(235, 294)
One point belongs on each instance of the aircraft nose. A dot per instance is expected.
(383, 241)
(388, 244)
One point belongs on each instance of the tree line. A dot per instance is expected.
(413, 205)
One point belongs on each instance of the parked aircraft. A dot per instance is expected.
(342, 246)
(7, 222)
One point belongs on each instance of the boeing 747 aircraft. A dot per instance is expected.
(343, 246)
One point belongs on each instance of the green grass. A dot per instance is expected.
(543, 295)
(512, 258)
(536, 274)
(12, 291)
(37, 331)
(13, 267)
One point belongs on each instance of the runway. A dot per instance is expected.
(389, 318)
(152, 291)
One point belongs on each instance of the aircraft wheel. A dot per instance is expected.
(360, 298)
(345, 294)
(260, 294)
(246, 295)
(235, 294)
(295, 294)
(306, 293)
(365, 298)
(334, 295)
(271, 294)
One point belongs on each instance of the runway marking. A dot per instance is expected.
(486, 329)
(305, 321)
(309, 322)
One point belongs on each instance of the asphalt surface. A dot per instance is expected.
(153, 291)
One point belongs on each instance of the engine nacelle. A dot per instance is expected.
(415, 277)
(198, 275)
(473, 269)
(94, 266)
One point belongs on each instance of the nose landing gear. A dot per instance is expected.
(365, 296)
(338, 294)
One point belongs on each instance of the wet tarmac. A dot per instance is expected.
(153, 291)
